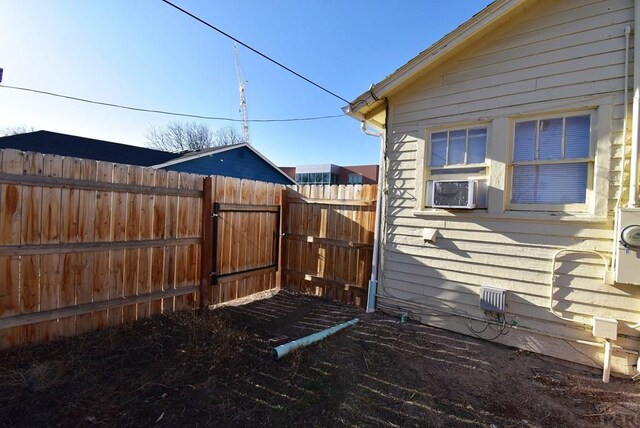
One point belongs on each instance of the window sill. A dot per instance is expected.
(512, 215)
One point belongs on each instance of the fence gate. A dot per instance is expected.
(246, 239)
(328, 238)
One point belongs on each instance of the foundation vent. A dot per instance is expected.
(493, 299)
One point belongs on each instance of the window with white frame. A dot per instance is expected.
(457, 149)
(457, 153)
(552, 166)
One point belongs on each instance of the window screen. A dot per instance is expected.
(551, 160)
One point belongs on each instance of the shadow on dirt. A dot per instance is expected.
(212, 369)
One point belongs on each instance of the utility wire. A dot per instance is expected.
(254, 50)
(170, 113)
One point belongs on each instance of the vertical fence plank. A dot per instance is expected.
(31, 234)
(217, 265)
(273, 230)
(207, 242)
(182, 251)
(102, 259)
(118, 233)
(131, 256)
(86, 233)
(236, 198)
(173, 181)
(71, 264)
(10, 226)
(296, 227)
(260, 232)
(225, 250)
(194, 231)
(264, 195)
(159, 232)
(245, 230)
(143, 283)
(51, 273)
(187, 256)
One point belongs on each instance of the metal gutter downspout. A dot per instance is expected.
(635, 120)
(373, 282)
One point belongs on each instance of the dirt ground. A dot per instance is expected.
(216, 369)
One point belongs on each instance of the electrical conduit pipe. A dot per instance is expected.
(606, 369)
(552, 279)
(616, 215)
(282, 350)
(635, 119)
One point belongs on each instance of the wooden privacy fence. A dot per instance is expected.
(87, 244)
(329, 240)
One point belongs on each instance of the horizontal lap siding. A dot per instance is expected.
(554, 53)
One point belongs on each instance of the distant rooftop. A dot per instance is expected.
(85, 148)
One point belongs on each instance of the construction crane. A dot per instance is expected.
(244, 116)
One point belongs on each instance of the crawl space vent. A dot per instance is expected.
(493, 299)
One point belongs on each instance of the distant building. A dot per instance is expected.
(237, 160)
(333, 174)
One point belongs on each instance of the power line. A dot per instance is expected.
(254, 50)
(170, 113)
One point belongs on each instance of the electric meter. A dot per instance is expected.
(630, 236)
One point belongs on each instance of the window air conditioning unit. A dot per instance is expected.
(454, 194)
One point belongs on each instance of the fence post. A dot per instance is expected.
(281, 244)
(206, 261)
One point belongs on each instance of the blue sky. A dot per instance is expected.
(144, 53)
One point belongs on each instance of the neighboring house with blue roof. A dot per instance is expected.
(234, 160)
(237, 160)
(85, 148)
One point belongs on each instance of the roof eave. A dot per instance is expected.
(189, 156)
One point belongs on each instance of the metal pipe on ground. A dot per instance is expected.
(283, 350)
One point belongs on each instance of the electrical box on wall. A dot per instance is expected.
(628, 251)
(605, 328)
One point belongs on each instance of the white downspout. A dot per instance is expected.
(373, 282)
(635, 120)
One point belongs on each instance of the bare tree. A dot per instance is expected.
(189, 136)
(15, 130)
(227, 135)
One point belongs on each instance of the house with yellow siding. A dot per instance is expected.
(511, 175)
